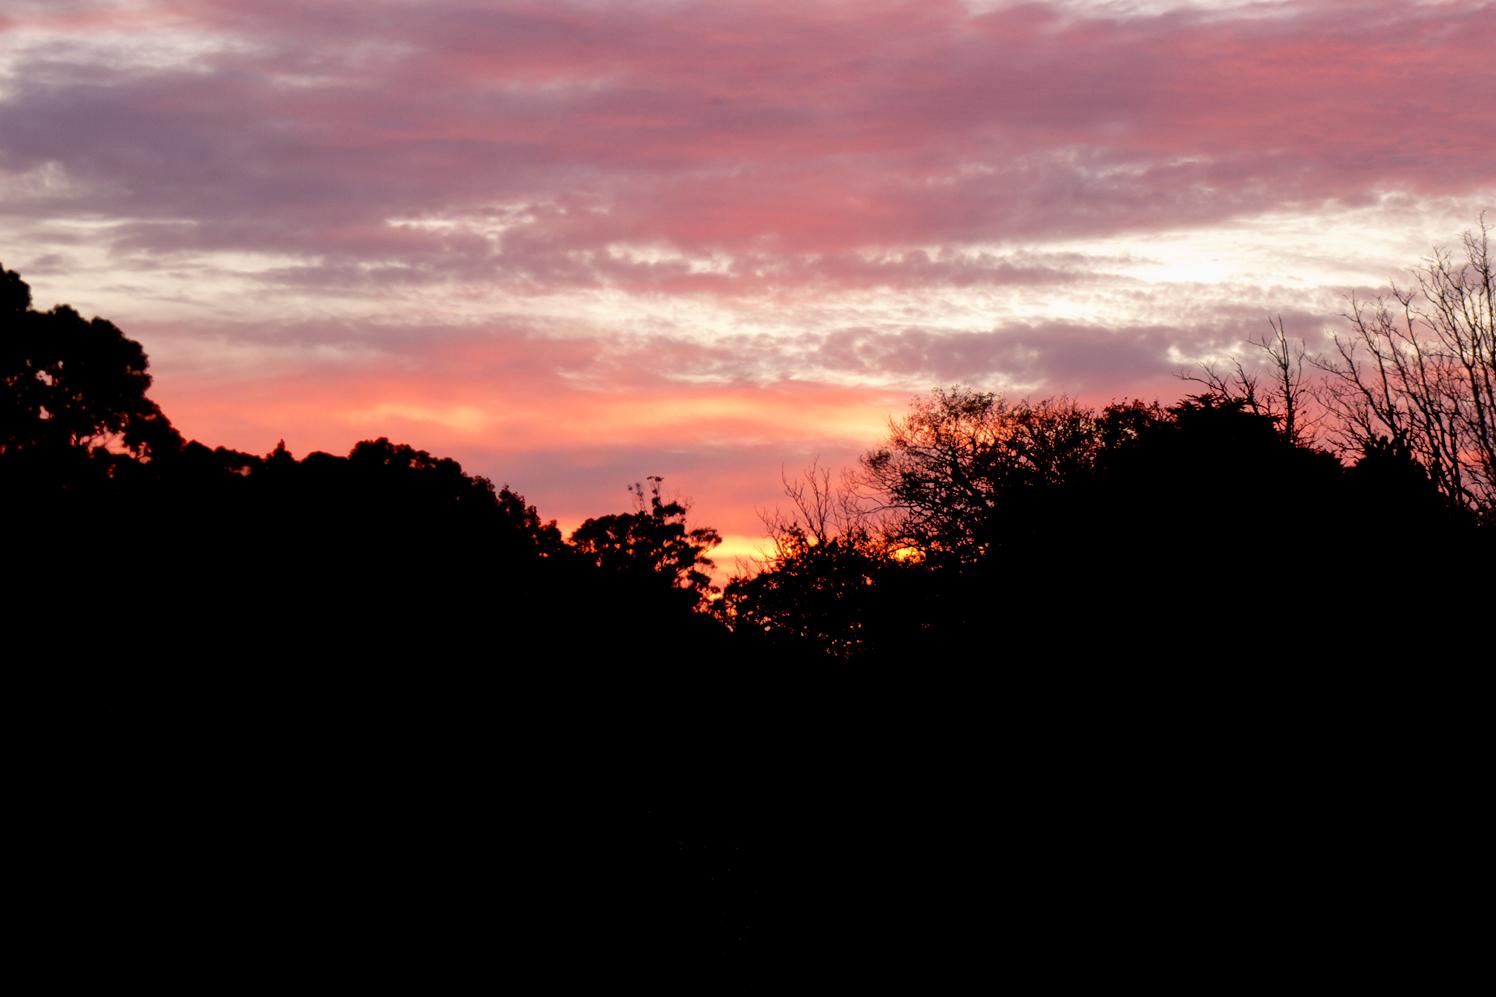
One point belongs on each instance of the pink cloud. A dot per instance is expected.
(809, 127)
(799, 148)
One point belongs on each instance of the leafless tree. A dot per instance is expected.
(817, 581)
(1418, 368)
(820, 514)
(1284, 398)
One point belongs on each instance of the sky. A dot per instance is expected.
(573, 243)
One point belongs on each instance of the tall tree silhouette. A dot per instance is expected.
(71, 385)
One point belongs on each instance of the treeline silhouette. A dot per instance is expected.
(1133, 529)
(1037, 674)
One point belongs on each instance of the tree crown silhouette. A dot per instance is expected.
(71, 385)
(651, 544)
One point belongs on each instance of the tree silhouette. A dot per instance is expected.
(1418, 368)
(651, 546)
(825, 579)
(365, 642)
(72, 386)
(962, 460)
(1285, 395)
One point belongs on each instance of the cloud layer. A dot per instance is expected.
(549, 232)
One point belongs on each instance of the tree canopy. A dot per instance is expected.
(651, 546)
(70, 386)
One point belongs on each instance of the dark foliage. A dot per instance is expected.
(1148, 692)
(1103, 531)
(650, 550)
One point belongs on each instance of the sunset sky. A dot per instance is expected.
(575, 243)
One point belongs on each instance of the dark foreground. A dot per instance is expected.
(424, 828)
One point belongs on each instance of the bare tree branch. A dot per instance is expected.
(1418, 369)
